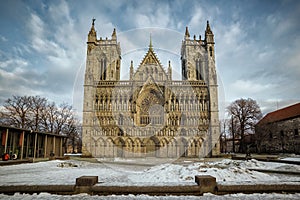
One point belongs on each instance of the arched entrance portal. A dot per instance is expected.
(150, 148)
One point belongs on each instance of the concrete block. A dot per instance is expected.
(86, 180)
(207, 183)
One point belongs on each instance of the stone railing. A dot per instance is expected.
(160, 83)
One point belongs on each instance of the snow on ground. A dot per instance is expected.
(50, 173)
(292, 159)
(207, 196)
(226, 171)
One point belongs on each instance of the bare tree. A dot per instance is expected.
(48, 117)
(245, 113)
(38, 106)
(72, 130)
(36, 113)
(63, 114)
(17, 111)
(234, 131)
(262, 134)
(224, 134)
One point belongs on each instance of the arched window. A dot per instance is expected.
(184, 71)
(102, 66)
(198, 69)
(120, 120)
(211, 51)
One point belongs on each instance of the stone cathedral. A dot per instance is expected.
(150, 115)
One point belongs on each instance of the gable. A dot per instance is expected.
(150, 66)
(150, 84)
(150, 58)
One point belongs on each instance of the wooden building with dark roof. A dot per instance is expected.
(22, 143)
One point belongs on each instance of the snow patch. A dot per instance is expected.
(226, 171)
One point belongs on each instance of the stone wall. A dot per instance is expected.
(279, 137)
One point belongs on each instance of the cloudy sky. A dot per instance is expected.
(43, 44)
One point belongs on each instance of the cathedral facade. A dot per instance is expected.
(150, 114)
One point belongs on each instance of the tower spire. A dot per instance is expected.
(114, 34)
(92, 36)
(131, 70)
(150, 44)
(209, 36)
(208, 29)
(170, 71)
(187, 34)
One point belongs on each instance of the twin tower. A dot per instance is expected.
(150, 115)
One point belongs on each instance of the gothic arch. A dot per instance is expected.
(203, 147)
(150, 147)
(210, 51)
(137, 147)
(146, 106)
(163, 147)
(102, 63)
(182, 145)
(155, 139)
(94, 145)
(129, 145)
(119, 147)
(109, 148)
(172, 148)
(164, 141)
(199, 66)
(129, 142)
(100, 147)
(193, 147)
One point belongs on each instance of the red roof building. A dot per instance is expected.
(278, 131)
(282, 114)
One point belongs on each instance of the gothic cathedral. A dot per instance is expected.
(150, 115)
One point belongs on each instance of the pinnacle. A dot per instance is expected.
(150, 45)
(187, 34)
(208, 29)
(114, 34)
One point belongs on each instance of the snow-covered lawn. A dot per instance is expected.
(292, 159)
(125, 172)
(226, 171)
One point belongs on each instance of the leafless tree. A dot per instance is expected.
(37, 107)
(234, 131)
(48, 117)
(245, 113)
(17, 111)
(37, 114)
(72, 130)
(224, 134)
(62, 115)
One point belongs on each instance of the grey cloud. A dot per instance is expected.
(248, 47)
